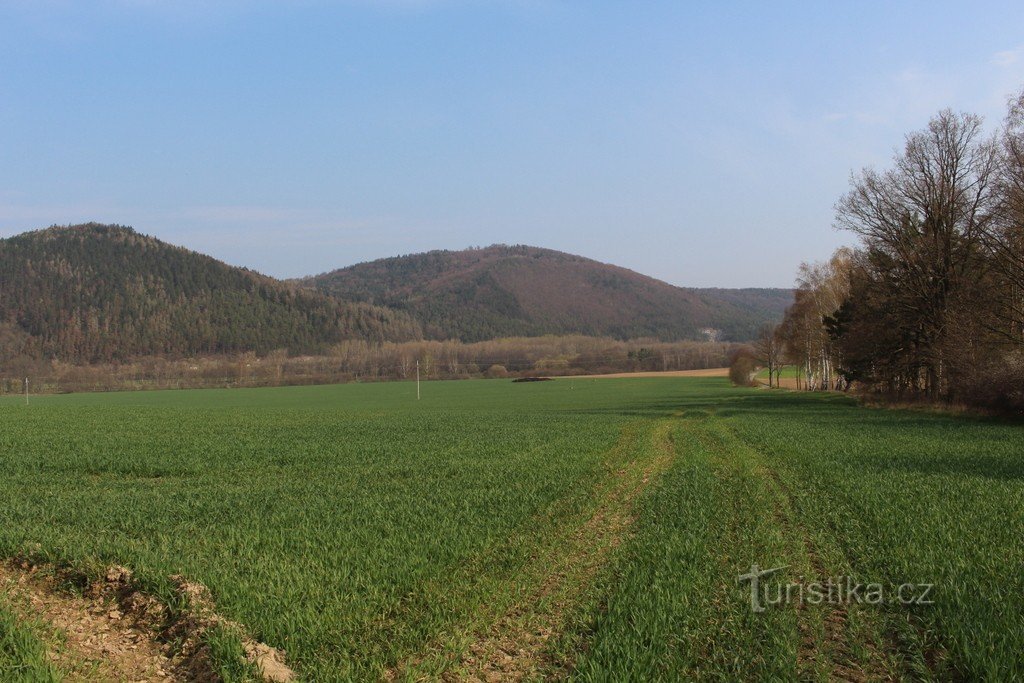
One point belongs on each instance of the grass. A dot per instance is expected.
(369, 534)
(672, 610)
(226, 650)
(786, 372)
(334, 522)
(23, 652)
(903, 497)
(831, 490)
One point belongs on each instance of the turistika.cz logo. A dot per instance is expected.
(843, 590)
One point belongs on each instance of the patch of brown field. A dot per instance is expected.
(111, 631)
(514, 648)
(101, 642)
(783, 383)
(706, 372)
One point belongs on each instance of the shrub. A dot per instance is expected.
(743, 369)
(496, 372)
(996, 385)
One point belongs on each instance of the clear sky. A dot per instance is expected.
(704, 143)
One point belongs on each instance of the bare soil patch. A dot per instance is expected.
(109, 630)
(706, 372)
(100, 641)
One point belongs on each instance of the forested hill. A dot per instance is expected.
(96, 293)
(500, 291)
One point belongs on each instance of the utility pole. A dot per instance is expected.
(417, 380)
(26, 391)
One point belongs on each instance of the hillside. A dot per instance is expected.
(500, 291)
(98, 293)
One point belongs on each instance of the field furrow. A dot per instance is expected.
(837, 641)
(519, 644)
(517, 629)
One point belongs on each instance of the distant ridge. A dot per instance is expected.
(99, 293)
(501, 290)
(93, 292)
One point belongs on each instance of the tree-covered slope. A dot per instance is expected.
(97, 292)
(500, 291)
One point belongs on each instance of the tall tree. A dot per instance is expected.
(923, 225)
(1005, 235)
(821, 290)
(768, 347)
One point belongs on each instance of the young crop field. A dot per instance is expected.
(582, 529)
(787, 372)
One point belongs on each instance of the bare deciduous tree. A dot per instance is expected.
(821, 290)
(1005, 235)
(768, 347)
(923, 225)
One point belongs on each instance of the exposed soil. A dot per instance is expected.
(108, 630)
(783, 383)
(100, 641)
(706, 372)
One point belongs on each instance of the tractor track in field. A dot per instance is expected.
(517, 644)
(514, 649)
(840, 658)
(833, 652)
(830, 653)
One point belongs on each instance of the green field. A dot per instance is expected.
(585, 528)
(787, 372)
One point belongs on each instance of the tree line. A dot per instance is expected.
(929, 304)
(362, 361)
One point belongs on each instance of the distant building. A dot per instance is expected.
(711, 333)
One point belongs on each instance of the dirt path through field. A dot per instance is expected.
(515, 647)
(515, 643)
(825, 641)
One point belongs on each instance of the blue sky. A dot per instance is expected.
(702, 143)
